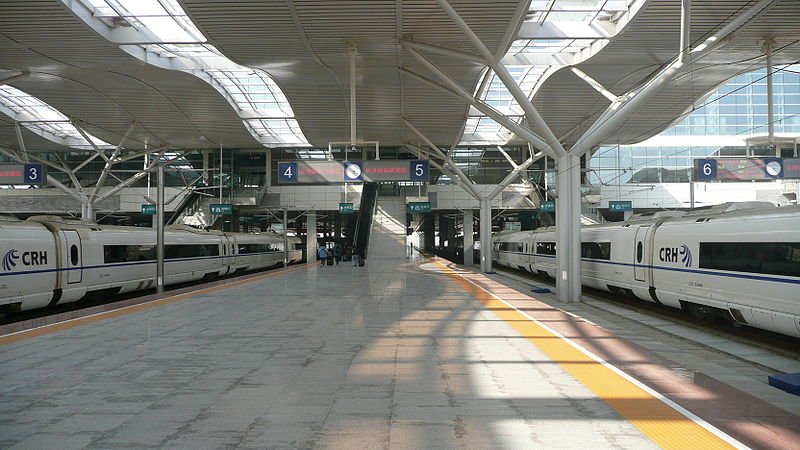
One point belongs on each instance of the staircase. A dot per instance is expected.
(389, 229)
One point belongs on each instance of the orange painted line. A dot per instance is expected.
(72, 323)
(659, 421)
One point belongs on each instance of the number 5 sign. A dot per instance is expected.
(705, 169)
(419, 170)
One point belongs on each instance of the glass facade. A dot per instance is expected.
(720, 125)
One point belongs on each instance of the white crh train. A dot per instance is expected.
(47, 260)
(744, 265)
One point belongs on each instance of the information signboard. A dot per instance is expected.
(221, 209)
(22, 173)
(791, 168)
(148, 210)
(244, 220)
(624, 205)
(419, 207)
(548, 206)
(326, 172)
(345, 208)
(746, 169)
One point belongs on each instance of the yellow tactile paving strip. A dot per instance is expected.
(663, 424)
(72, 323)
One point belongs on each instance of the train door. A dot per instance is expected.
(640, 253)
(72, 260)
(225, 263)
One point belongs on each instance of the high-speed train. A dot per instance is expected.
(742, 265)
(47, 260)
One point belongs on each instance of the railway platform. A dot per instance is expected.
(406, 352)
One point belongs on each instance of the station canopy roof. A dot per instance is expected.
(253, 73)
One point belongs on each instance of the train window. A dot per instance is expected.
(177, 251)
(596, 250)
(774, 258)
(545, 248)
(254, 248)
(511, 246)
(639, 252)
(73, 254)
(126, 253)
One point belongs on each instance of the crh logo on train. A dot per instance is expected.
(672, 254)
(28, 258)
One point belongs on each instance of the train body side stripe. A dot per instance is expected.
(678, 269)
(138, 263)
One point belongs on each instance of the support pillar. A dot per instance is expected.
(770, 101)
(88, 213)
(486, 235)
(429, 232)
(337, 229)
(468, 234)
(268, 173)
(160, 232)
(311, 236)
(206, 175)
(285, 237)
(568, 229)
(443, 232)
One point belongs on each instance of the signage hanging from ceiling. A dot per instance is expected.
(327, 172)
(22, 174)
(746, 169)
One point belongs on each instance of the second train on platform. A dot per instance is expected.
(741, 265)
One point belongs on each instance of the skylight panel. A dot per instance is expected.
(43, 119)
(543, 54)
(255, 95)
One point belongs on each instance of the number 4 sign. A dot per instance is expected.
(287, 172)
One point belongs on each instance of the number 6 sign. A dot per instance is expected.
(705, 169)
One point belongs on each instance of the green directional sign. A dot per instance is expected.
(548, 206)
(419, 207)
(345, 208)
(148, 210)
(247, 219)
(221, 209)
(626, 205)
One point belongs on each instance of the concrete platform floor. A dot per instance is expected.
(397, 354)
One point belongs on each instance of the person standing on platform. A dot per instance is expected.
(337, 253)
(323, 255)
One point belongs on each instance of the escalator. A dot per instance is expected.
(366, 212)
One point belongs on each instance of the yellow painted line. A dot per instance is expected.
(72, 323)
(664, 422)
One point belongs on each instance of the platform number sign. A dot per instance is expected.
(420, 170)
(34, 174)
(705, 169)
(287, 172)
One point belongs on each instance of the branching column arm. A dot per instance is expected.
(50, 179)
(508, 80)
(109, 163)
